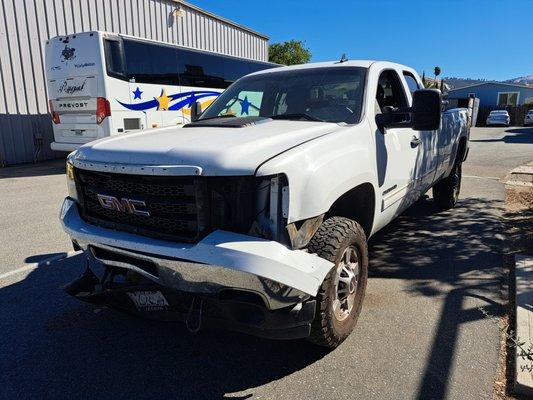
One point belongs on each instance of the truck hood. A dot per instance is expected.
(214, 150)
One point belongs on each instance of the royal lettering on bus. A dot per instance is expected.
(71, 89)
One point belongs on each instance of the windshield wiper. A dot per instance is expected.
(296, 116)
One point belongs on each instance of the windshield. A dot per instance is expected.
(333, 94)
(498, 112)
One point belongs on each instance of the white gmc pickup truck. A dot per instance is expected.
(256, 216)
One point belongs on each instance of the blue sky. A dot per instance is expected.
(471, 39)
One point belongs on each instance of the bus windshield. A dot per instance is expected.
(330, 94)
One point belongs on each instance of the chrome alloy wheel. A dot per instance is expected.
(346, 280)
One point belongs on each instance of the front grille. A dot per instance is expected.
(174, 204)
(182, 209)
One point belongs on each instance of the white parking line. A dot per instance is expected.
(32, 266)
(494, 178)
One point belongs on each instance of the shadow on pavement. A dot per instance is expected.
(52, 346)
(455, 255)
(52, 167)
(513, 135)
(44, 257)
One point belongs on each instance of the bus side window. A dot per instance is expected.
(151, 63)
(114, 59)
(158, 63)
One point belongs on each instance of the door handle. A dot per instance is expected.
(415, 142)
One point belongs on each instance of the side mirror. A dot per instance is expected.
(426, 110)
(384, 120)
(196, 111)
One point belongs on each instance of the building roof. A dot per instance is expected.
(222, 19)
(493, 83)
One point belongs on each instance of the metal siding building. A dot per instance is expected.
(25, 25)
(489, 92)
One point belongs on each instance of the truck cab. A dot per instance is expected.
(256, 216)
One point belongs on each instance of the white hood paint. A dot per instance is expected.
(215, 150)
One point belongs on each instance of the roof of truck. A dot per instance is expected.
(348, 63)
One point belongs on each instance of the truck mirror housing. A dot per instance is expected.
(196, 111)
(426, 110)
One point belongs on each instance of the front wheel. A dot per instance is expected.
(446, 192)
(340, 297)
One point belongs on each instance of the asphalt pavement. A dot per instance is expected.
(423, 332)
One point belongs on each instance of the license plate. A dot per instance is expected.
(149, 300)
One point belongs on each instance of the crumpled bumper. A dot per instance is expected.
(216, 268)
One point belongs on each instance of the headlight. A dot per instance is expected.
(279, 206)
(70, 171)
(71, 181)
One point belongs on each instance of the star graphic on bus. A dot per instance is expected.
(245, 105)
(163, 100)
(137, 93)
(185, 99)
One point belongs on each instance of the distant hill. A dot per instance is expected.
(457, 83)
(523, 80)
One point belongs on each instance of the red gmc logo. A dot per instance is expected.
(130, 206)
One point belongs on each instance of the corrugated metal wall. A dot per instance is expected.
(25, 25)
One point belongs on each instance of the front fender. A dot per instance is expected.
(322, 170)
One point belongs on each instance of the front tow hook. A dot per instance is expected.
(83, 286)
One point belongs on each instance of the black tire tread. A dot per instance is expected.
(443, 192)
(326, 243)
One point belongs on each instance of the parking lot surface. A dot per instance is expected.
(421, 334)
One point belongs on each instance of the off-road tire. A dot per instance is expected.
(446, 192)
(333, 237)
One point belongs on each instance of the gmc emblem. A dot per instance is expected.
(130, 206)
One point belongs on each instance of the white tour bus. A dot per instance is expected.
(102, 84)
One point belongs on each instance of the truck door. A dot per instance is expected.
(427, 156)
(450, 124)
(396, 149)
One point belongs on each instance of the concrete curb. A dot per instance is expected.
(519, 232)
(524, 325)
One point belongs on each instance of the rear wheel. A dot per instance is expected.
(340, 298)
(446, 192)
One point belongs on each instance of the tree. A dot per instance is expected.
(437, 72)
(424, 78)
(289, 53)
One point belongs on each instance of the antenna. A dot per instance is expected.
(343, 58)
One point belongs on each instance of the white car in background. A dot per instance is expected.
(528, 119)
(498, 117)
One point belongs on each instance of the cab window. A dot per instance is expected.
(390, 91)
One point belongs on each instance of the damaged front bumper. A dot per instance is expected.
(227, 279)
